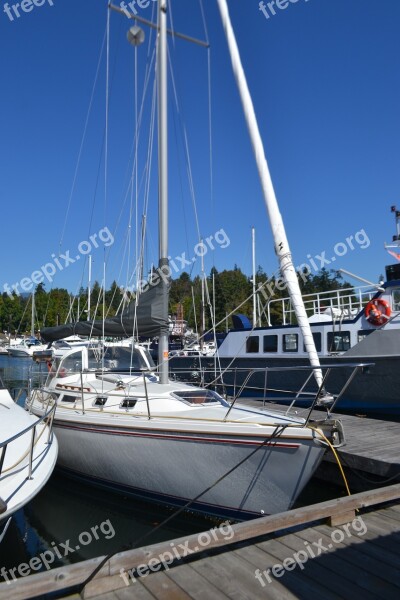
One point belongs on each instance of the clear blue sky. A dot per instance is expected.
(325, 82)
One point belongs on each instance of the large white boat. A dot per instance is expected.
(119, 427)
(28, 453)
(356, 324)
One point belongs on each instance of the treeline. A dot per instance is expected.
(56, 307)
(223, 292)
(229, 289)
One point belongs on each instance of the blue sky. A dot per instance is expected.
(325, 82)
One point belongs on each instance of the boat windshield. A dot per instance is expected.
(117, 358)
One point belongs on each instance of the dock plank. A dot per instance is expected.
(137, 591)
(263, 560)
(162, 586)
(317, 570)
(367, 573)
(195, 584)
(232, 576)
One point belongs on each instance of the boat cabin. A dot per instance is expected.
(339, 320)
(121, 359)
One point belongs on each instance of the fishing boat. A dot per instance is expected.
(28, 453)
(123, 425)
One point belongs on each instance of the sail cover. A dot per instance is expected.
(143, 317)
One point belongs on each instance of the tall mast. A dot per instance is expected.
(163, 178)
(281, 243)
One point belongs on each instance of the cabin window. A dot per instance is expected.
(396, 300)
(70, 364)
(290, 342)
(338, 341)
(252, 343)
(270, 343)
(68, 398)
(128, 403)
(317, 342)
(363, 333)
(116, 357)
(199, 396)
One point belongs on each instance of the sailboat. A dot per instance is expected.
(123, 425)
(27, 345)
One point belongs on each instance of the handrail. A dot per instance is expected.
(4, 445)
(21, 433)
(314, 396)
(345, 299)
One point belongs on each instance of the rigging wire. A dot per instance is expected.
(186, 147)
(83, 139)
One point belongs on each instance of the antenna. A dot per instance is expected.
(396, 238)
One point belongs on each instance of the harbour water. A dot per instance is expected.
(66, 512)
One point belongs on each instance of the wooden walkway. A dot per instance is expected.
(361, 566)
(285, 556)
(371, 455)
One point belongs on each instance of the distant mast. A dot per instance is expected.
(282, 249)
(33, 315)
(253, 253)
(395, 245)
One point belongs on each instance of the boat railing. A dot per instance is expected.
(240, 382)
(339, 304)
(315, 396)
(47, 419)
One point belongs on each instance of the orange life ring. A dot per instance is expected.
(377, 311)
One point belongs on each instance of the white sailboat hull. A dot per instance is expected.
(175, 466)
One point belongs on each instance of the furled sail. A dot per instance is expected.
(143, 317)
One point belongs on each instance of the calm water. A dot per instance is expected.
(65, 509)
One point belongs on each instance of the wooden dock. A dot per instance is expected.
(285, 556)
(371, 456)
